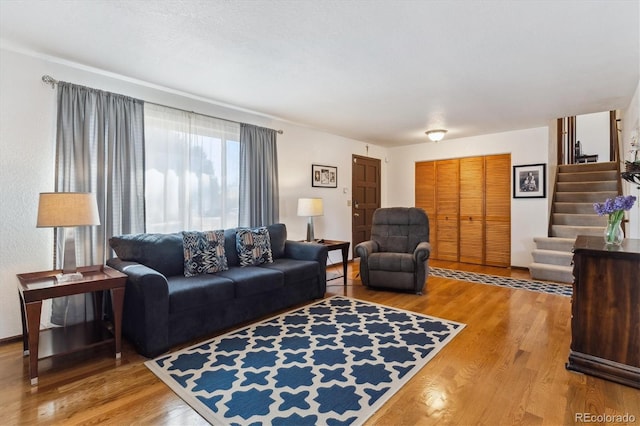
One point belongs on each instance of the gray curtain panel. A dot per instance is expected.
(259, 196)
(99, 149)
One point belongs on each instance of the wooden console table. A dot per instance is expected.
(38, 286)
(605, 322)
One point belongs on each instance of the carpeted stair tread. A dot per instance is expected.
(558, 273)
(574, 219)
(552, 257)
(588, 167)
(555, 243)
(585, 197)
(604, 175)
(587, 186)
(573, 208)
(567, 231)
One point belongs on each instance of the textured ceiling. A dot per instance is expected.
(380, 71)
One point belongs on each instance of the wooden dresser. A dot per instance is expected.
(605, 323)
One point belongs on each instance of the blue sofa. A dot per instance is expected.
(163, 308)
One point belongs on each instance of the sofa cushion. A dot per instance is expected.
(162, 252)
(203, 252)
(396, 262)
(252, 280)
(278, 238)
(253, 246)
(188, 293)
(295, 271)
(230, 247)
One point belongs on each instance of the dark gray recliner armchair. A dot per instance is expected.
(397, 255)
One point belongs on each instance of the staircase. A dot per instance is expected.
(577, 187)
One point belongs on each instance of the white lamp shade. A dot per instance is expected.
(310, 207)
(67, 209)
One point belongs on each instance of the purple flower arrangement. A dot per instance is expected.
(615, 209)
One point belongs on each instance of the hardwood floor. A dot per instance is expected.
(505, 368)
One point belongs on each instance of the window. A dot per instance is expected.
(191, 171)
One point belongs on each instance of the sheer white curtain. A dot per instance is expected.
(191, 170)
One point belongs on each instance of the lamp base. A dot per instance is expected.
(310, 236)
(73, 276)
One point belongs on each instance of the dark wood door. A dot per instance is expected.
(365, 197)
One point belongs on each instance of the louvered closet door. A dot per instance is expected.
(425, 189)
(447, 209)
(472, 187)
(498, 210)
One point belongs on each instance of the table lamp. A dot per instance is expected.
(310, 207)
(68, 210)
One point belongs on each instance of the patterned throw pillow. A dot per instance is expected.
(254, 246)
(203, 252)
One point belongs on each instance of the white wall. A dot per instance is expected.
(298, 149)
(529, 217)
(592, 130)
(631, 124)
(27, 125)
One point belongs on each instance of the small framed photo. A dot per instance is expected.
(530, 181)
(324, 176)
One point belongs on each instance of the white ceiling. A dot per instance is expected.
(380, 71)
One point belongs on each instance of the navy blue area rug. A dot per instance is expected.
(334, 362)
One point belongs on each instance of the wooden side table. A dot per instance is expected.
(38, 286)
(343, 246)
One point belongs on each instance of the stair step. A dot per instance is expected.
(588, 186)
(541, 271)
(578, 219)
(575, 208)
(588, 176)
(585, 197)
(555, 243)
(587, 167)
(566, 231)
(552, 257)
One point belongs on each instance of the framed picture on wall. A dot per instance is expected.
(530, 181)
(324, 176)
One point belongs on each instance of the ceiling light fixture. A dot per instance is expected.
(436, 135)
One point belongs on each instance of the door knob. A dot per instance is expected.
(356, 214)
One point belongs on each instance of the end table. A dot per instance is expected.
(343, 246)
(35, 287)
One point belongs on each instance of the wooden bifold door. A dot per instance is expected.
(468, 201)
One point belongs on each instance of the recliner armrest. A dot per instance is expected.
(365, 248)
(422, 252)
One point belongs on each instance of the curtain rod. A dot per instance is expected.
(47, 79)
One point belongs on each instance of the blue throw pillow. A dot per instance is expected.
(254, 246)
(203, 252)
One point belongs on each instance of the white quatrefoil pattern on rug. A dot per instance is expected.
(334, 362)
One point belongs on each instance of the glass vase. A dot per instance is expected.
(613, 233)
